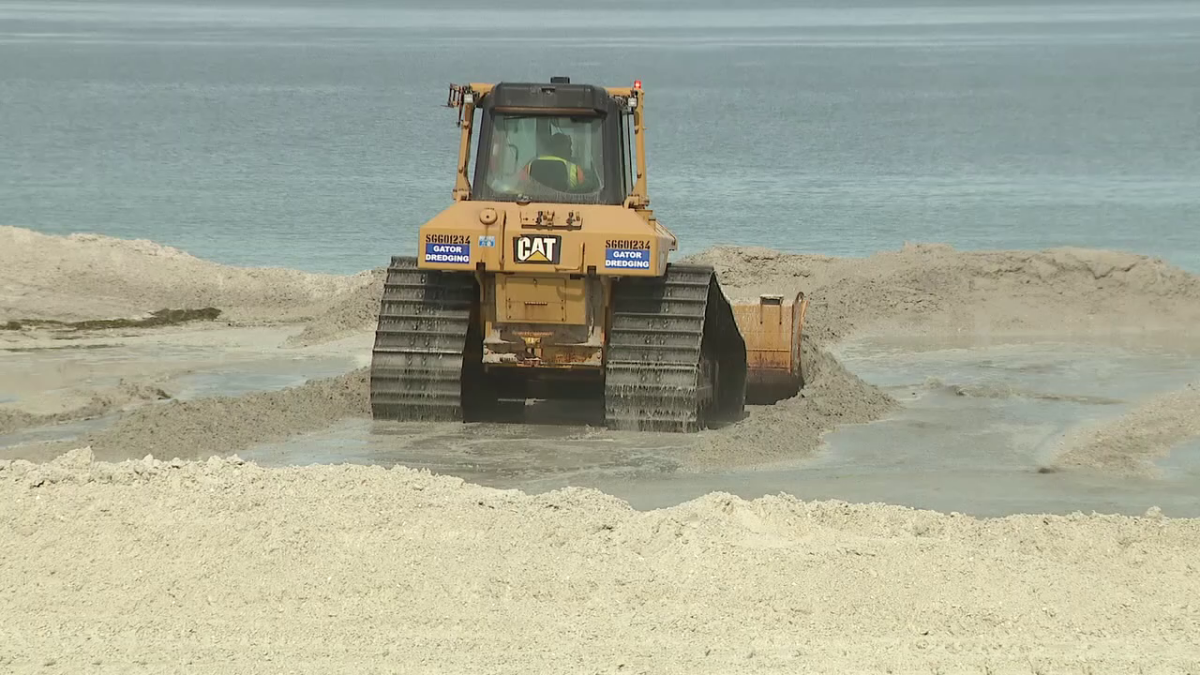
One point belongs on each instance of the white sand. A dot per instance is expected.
(82, 277)
(219, 566)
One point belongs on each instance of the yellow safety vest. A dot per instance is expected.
(574, 172)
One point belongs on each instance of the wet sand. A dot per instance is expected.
(920, 293)
(1148, 431)
(345, 568)
(978, 429)
(49, 376)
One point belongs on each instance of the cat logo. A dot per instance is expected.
(537, 249)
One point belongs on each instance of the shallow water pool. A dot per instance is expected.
(978, 424)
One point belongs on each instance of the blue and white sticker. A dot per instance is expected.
(627, 258)
(487, 241)
(457, 254)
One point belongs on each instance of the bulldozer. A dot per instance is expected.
(548, 277)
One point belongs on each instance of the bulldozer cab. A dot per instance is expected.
(559, 143)
(544, 158)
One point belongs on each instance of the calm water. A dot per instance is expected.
(284, 133)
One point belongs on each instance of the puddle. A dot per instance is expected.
(186, 364)
(495, 454)
(259, 375)
(977, 424)
(1183, 464)
(66, 431)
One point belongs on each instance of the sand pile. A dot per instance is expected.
(222, 425)
(924, 288)
(793, 428)
(349, 312)
(85, 277)
(84, 405)
(1130, 443)
(930, 289)
(220, 564)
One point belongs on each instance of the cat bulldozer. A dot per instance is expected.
(548, 277)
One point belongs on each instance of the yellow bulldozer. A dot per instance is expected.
(548, 278)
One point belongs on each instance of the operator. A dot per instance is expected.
(559, 151)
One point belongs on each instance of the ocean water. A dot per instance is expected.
(287, 133)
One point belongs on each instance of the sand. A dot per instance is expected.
(794, 428)
(85, 277)
(221, 425)
(79, 405)
(1128, 444)
(923, 289)
(54, 375)
(219, 565)
(935, 290)
(350, 312)
(919, 290)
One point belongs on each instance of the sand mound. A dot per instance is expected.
(85, 277)
(223, 425)
(1128, 444)
(222, 565)
(350, 312)
(793, 429)
(929, 289)
(935, 289)
(90, 404)
(923, 288)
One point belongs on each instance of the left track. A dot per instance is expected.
(425, 325)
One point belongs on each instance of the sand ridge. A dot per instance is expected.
(86, 405)
(794, 428)
(221, 564)
(1129, 443)
(352, 311)
(932, 289)
(922, 287)
(925, 289)
(87, 276)
(220, 425)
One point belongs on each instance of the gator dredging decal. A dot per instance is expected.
(448, 248)
(627, 254)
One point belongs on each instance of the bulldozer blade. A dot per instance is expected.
(771, 328)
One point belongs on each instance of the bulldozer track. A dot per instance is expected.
(425, 321)
(676, 359)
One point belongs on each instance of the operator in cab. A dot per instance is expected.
(554, 168)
